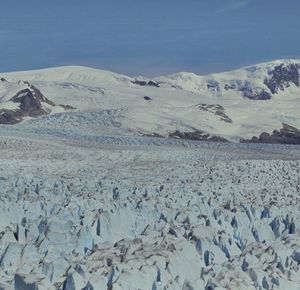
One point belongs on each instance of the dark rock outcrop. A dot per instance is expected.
(282, 76)
(153, 84)
(3, 80)
(9, 117)
(30, 103)
(140, 83)
(255, 94)
(279, 78)
(217, 110)
(146, 83)
(196, 135)
(229, 87)
(286, 135)
(153, 135)
(67, 107)
(213, 85)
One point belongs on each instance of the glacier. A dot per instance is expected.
(138, 215)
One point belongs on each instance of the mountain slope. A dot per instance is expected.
(232, 106)
(23, 100)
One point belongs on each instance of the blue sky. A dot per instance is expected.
(147, 37)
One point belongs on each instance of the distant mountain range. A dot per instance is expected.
(259, 103)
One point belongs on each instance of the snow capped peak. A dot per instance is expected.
(78, 74)
(276, 62)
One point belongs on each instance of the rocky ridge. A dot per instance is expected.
(27, 102)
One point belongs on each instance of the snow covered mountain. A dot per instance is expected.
(247, 104)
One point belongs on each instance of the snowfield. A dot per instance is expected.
(79, 214)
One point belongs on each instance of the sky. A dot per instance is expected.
(154, 37)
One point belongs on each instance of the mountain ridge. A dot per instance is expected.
(235, 106)
(73, 67)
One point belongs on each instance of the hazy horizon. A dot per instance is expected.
(151, 38)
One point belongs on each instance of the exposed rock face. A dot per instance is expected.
(282, 76)
(196, 135)
(286, 135)
(229, 87)
(9, 117)
(3, 80)
(67, 107)
(30, 103)
(153, 135)
(279, 78)
(213, 85)
(255, 94)
(218, 110)
(146, 83)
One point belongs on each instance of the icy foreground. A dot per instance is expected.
(78, 215)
